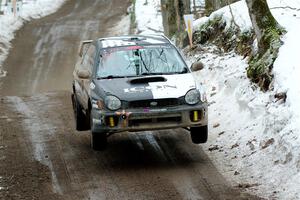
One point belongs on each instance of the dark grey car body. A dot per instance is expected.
(148, 102)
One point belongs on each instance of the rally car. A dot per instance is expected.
(136, 83)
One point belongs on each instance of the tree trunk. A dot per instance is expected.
(172, 12)
(212, 5)
(268, 33)
(169, 17)
(263, 22)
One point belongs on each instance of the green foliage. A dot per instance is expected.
(261, 65)
(214, 31)
(209, 30)
(209, 7)
(244, 43)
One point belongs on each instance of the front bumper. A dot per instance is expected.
(149, 118)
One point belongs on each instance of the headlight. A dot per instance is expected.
(112, 103)
(192, 97)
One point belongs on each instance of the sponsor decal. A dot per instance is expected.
(149, 88)
(175, 87)
(137, 89)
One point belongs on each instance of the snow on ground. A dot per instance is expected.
(238, 9)
(122, 27)
(31, 9)
(248, 141)
(148, 16)
(198, 3)
(254, 137)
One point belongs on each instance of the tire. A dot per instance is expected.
(199, 135)
(80, 118)
(98, 141)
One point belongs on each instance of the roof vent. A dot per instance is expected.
(136, 38)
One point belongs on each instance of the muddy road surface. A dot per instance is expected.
(41, 154)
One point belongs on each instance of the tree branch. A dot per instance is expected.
(286, 7)
(233, 20)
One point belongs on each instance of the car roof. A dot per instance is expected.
(133, 40)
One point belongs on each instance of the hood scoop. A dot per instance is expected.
(147, 80)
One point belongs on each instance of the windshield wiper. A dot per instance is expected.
(150, 73)
(164, 73)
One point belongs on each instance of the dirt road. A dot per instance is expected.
(43, 157)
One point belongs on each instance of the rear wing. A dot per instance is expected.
(83, 46)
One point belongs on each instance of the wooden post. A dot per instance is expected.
(0, 5)
(14, 6)
(188, 19)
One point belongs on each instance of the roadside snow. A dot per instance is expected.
(249, 140)
(240, 15)
(148, 17)
(254, 137)
(9, 24)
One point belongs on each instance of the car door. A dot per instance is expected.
(88, 64)
(78, 82)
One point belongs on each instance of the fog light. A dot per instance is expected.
(111, 122)
(195, 115)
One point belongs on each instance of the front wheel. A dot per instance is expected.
(98, 141)
(80, 118)
(199, 134)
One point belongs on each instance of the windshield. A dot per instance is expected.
(140, 60)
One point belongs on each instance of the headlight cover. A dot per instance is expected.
(112, 102)
(192, 97)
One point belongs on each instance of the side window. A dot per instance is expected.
(88, 60)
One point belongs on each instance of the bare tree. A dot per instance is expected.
(212, 5)
(172, 12)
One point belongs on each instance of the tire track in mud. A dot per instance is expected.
(35, 126)
(143, 165)
(22, 176)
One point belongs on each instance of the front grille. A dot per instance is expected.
(154, 103)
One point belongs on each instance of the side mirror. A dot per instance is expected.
(83, 46)
(197, 66)
(83, 74)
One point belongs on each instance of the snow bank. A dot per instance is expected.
(239, 11)
(9, 23)
(148, 17)
(247, 127)
(254, 137)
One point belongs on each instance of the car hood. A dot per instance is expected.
(147, 87)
